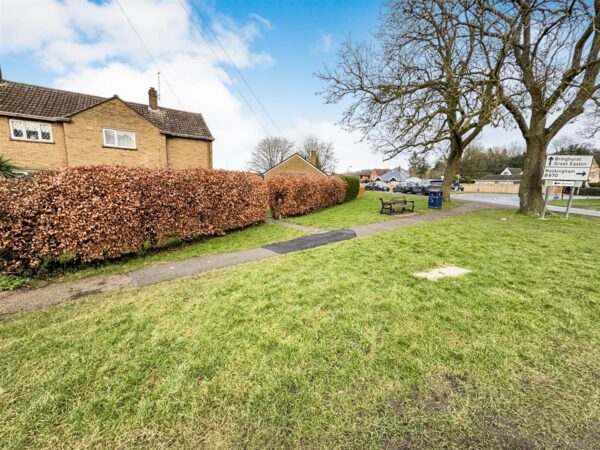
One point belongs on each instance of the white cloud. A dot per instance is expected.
(324, 43)
(266, 23)
(91, 48)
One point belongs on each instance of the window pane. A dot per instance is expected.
(32, 131)
(45, 129)
(109, 137)
(125, 139)
(17, 128)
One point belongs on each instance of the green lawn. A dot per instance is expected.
(591, 203)
(360, 211)
(336, 347)
(255, 236)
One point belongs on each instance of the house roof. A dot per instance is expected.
(37, 102)
(493, 177)
(514, 170)
(397, 174)
(295, 155)
(380, 172)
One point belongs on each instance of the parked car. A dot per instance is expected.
(415, 188)
(428, 186)
(456, 186)
(370, 186)
(381, 186)
(399, 188)
(406, 187)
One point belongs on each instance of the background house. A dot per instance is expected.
(510, 175)
(394, 176)
(296, 165)
(43, 128)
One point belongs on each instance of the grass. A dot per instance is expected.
(590, 203)
(255, 236)
(10, 282)
(336, 347)
(360, 211)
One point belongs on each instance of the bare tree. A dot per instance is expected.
(551, 75)
(326, 160)
(425, 83)
(269, 152)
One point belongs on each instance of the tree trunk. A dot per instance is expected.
(530, 191)
(451, 167)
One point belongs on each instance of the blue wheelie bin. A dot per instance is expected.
(435, 200)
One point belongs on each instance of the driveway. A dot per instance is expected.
(512, 201)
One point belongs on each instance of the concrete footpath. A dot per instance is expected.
(25, 300)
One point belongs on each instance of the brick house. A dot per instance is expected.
(295, 165)
(43, 128)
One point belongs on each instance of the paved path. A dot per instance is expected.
(512, 201)
(25, 300)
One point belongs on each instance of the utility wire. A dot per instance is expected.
(216, 37)
(233, 82)
(149, 53)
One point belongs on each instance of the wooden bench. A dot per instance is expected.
(395, 206)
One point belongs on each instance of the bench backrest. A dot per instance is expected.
(401, 200)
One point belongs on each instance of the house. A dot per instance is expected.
(375, 173)
(369, 174)
(394, 176)
(512, 171)
(43, 128)
(364, 175)
(510, 175)
(295, 165)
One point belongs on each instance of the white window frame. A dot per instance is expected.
(31, 123)
(116, 144)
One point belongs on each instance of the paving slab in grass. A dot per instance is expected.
(442, 272)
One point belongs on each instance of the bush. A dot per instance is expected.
(352, 186)
(589, 191)
(293, 195)
(92, 213)
(594, 185)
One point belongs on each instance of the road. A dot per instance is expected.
(512, 201)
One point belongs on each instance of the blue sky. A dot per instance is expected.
(89, 46)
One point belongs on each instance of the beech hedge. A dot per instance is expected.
(92, 213)
(293, 195)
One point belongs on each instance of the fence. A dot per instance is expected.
(502, 188)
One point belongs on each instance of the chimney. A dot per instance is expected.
(313, 157)
(152, 98)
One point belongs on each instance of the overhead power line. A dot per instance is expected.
(149, 53)
(231, 61)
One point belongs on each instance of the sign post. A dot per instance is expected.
(545, 201)
(565, 170)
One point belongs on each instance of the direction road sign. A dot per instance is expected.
(567, 167)
(571, 161)
(560, 183)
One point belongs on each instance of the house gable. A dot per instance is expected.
(294, 165)
(85, 143)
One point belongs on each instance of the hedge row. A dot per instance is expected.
(301, 194)
(589, 191)
(352, 186)
(87, 214)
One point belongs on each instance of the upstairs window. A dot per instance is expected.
(118, 138)
(25, 130)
